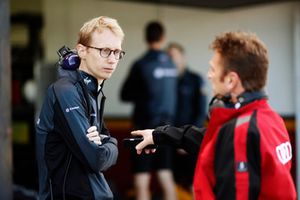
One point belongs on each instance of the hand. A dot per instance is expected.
(93, 135)
(148, 139)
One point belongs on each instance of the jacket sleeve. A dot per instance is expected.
(76, 123)
(187, 137)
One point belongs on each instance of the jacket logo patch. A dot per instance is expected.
(284, 152)
(72, 108)
(242, 166)
(87, 80)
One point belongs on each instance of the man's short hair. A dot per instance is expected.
(245, 54)
(154, 32)
(98, 24)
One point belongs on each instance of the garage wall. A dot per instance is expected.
(193, 28)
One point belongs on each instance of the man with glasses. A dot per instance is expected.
(73, 145)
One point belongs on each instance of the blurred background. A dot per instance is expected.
(38, 28)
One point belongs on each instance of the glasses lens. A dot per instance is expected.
(105, 52)
(117, 54)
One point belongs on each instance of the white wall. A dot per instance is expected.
(194, 28)
(28, 6)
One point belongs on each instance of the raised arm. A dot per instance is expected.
(187, 137)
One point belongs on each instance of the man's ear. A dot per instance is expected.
(232, 80)
(228, 80)
(81, 50)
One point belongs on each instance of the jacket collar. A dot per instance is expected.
(90, 82)
(222, 110)
(75, 75)
(220, 115)
(242, 100)
(70, 74)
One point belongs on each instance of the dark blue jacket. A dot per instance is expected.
(70, 166)
(151, 87)
(191, 100)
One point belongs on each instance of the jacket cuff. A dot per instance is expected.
(157, 134)
(111, 140)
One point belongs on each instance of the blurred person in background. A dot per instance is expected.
(151, 87)
(191, 109)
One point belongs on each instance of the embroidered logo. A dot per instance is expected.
(164, 72)
(87, 80)
(242, 166)
(284, 152)
(72, 108)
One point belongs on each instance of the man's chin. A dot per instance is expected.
(106, 76)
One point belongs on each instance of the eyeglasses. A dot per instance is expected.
(105, 52)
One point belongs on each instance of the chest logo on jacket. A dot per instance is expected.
(87, 80)
(164, 72)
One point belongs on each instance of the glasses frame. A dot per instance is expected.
(121, 54)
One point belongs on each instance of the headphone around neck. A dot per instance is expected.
(243, 99)
(68, 59)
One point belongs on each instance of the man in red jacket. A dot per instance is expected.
(245, 152)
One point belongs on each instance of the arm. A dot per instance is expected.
(76, 124)
(187, 137)
(106, 139)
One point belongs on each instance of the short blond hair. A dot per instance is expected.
(99, 24)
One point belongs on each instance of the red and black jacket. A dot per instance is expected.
(245, 153)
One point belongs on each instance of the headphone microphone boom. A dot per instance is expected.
(68, 59)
